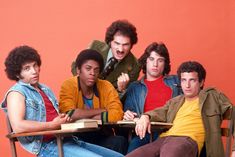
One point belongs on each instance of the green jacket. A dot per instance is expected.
(212, 104)
(128, 65)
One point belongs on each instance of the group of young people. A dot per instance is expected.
(105, 87)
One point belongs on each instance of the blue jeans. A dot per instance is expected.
(136, 142)
(116, 143)
(73, 147)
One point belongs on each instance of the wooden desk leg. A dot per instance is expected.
(60, 145)
(13, 148)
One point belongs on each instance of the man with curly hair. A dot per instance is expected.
(32, 106)
(121, 66)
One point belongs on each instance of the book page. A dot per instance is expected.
(125, 122)
(80, 124)
(161, 123)
(134, 122)
(99, 122)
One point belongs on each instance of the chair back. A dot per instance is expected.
(11, 140)
(227, 132)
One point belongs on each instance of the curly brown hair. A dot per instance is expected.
(17, 57)
(124, 28)
(192, 66)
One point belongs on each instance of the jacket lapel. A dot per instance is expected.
(202, 98)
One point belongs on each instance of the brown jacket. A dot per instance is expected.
(212, 104)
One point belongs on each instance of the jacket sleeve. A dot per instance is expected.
(98, 46)
(113, 105)
(67, 98)
(159, 114)
(131, 102)
(226, 104)
(128, 104)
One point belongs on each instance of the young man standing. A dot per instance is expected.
(196, 118)
(153, 90)
(93, 98)
(31, 106)
(121, 66)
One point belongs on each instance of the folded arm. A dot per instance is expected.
(84, 113)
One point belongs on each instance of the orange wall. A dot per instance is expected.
(192, 30)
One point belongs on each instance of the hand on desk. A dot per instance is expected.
(142, 125)
(60, 119)
(129, 115)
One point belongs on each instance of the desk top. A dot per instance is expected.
(124, 124)
(154, 125)
(51, 132)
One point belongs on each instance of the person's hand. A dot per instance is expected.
(233, 154)
(122, 81)
(60, 119)
(129, 115)
(142, 125)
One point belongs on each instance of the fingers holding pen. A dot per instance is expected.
(129, 115)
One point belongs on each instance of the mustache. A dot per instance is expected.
(120, 51)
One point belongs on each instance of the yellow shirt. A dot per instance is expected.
(188, 122)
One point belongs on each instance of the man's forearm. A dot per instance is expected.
(86, 113)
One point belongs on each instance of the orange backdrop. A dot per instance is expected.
(192, 30)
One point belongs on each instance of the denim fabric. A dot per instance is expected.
(116, 143)
(137, 91)
(35, 110)
(73, 147)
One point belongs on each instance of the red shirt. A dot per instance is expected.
(158, 94)
(51, 113)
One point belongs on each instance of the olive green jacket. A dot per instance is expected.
(128, 65)
(212, 104)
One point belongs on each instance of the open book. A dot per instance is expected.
(81, 123)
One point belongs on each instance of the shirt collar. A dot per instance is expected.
(110, 55)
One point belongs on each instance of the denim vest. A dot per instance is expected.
(35, 110)
(137, 91)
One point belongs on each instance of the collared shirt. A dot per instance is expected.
(110, 55)
(108, 60)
